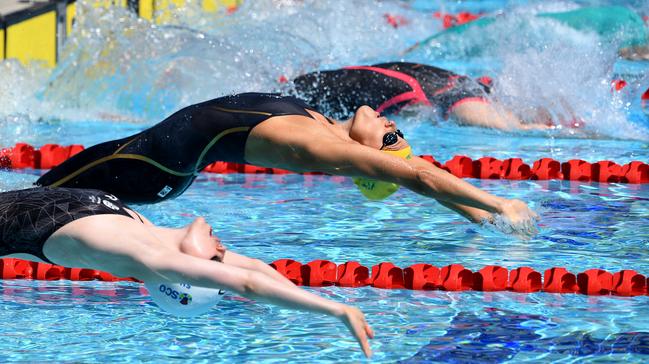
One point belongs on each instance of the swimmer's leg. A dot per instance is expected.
(68, 173)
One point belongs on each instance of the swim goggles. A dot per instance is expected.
(391, 138)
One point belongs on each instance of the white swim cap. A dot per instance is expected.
(182, 299)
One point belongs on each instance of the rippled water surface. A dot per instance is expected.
(122, 74)
(270, 217)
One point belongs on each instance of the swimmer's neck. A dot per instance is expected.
(168, 237)
(342, 127)
(345, 125)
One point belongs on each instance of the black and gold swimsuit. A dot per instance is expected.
(162, 161)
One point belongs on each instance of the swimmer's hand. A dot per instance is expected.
(354, 319)
(515, 217)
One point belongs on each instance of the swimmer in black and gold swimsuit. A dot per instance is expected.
(28, 217)
(162, 161)
(272, 131)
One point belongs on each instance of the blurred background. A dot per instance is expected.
(139, 60)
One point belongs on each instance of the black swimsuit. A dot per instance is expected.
(29, 217)
(386, 87)
(162, 161)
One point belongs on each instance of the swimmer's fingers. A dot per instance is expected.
(356, 323)
(369, 331)
(361, 334)
(535, 216)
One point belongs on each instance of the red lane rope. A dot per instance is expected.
(12, 268)
(23, 155)
(453, 277)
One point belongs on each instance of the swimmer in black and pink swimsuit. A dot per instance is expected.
(170, 154)
(387, 87)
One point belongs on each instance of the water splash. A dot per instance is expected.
(524, 230)
(18, 107)
(546, 69)
(118, 67)
(573, 85)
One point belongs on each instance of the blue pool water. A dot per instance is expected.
(271, 217)
(583, 225)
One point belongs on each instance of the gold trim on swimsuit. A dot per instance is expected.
(142, 158)
(216, 139)
(242, 111)
(126, 144)
(149, 160)
(119, 156)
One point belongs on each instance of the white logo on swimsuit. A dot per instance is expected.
(110, 205)
(111, 197)
(165, 191)
(99, 201)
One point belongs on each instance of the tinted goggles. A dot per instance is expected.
(391, 138)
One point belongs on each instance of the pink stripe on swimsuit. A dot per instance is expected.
(417, 94)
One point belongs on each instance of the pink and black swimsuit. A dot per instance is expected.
(387, 87)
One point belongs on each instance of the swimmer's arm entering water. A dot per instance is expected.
(257, 285)
(489, 115)
(470, 213)
(426, 179)
(238, 260)
(125, 247)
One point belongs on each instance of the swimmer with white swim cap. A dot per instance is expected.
(184, 269)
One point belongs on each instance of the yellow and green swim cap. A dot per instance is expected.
(379, 190)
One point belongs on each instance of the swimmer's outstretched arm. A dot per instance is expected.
(241, 261)
(257, 285)
(488, 115)
(125, 247)
(471, 213)
(425, 179)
